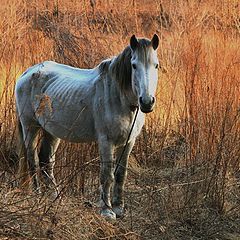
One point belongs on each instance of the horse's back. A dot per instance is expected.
(50, 69)
(54, 68)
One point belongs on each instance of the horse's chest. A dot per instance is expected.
(123, 128)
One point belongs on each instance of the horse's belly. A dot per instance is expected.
(80, 130)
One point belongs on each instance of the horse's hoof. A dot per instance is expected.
(54, 195)
(108, 214)
(119, 211)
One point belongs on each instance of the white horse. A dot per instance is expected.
(84, 105)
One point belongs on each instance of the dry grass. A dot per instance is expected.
(184, 171)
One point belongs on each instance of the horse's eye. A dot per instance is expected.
(134, 66)
(156, 66)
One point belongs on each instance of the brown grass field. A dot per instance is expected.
(184, 177)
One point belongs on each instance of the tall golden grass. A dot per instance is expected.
(184, 170)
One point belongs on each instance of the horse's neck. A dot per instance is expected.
(124, 99)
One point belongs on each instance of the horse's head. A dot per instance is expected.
(144, 62)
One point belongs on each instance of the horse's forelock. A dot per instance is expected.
(144, 43)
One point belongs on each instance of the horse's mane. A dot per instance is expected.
(120, 66)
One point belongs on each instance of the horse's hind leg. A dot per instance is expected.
(30, 136)
(120, 177)
(46, 155)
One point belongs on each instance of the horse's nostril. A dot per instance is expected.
(140, 100)
(153, 100)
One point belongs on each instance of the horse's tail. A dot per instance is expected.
(21, 152)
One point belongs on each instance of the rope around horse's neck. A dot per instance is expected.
(118, 163)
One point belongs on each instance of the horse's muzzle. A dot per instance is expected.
(146, 105)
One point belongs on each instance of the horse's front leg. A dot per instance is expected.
(120, 177)
(106, 150)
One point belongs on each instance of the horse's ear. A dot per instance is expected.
(133, 42)
(155, 41)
